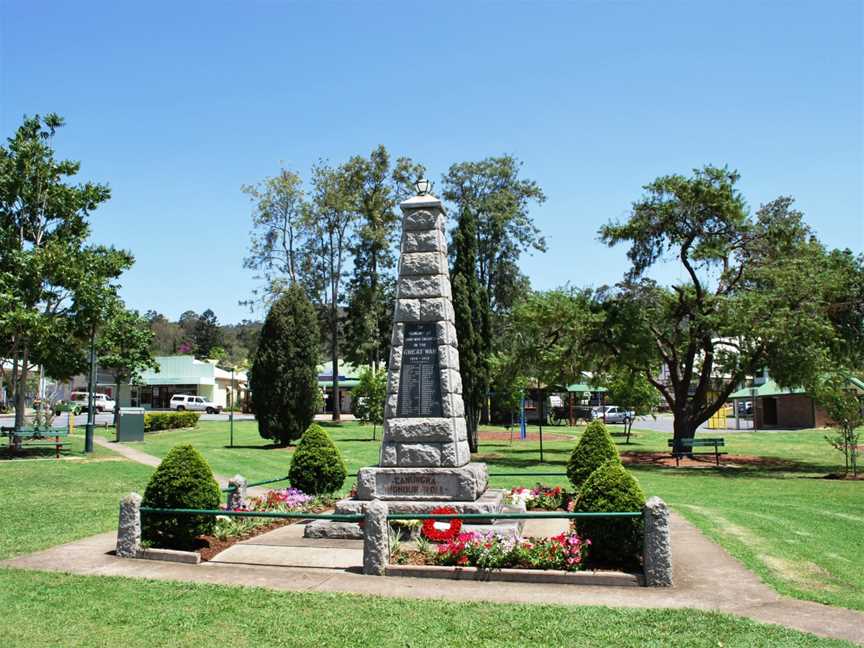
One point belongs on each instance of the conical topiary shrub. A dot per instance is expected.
(611, 489)
(182, 480)
(594, 449)
(317, 467)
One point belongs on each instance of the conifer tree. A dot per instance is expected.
(284, 376)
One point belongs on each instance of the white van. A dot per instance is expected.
(182, 402)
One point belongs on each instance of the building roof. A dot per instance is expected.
(584, 387)
(770, 389)
(187, 370)
(349, 375)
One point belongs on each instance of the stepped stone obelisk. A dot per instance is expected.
(425, 460)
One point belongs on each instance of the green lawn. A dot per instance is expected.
(46, 502)
(795, 529)
(41, 609)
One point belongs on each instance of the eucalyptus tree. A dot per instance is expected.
(499, 200)
(491, 204)
(756, 291)
(278, 233)
(376, 186)
(54, 282)
(329, 222)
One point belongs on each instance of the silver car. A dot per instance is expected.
(614, 414)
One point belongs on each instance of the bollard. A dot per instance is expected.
(657, 547)
(129, 528)
(376, 539)
(236, 495)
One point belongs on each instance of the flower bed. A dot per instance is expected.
(564, 552)
(231, 530)
(545, 498)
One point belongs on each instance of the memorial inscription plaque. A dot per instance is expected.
(420, 377)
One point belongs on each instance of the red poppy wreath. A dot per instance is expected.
(442, 530)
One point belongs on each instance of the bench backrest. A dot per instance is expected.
(698, 443)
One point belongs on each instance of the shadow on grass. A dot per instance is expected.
(269, 446)
(7, 454)
(764, 468)
(510, 462)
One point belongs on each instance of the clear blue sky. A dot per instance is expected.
(177, 104)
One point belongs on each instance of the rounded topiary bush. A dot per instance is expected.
(317, 467)
(593, 450)
(609, 489)
(182, 480)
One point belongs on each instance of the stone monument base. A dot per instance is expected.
(457, 484)
(491, 501)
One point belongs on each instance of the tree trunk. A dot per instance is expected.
(21, 390)
(683, 429)
(334, 356)
(471, 423)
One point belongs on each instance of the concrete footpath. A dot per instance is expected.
(139, 456)
(706, 577)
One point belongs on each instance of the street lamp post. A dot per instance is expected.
(231, 410)
(91, 396)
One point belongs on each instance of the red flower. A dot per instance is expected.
(442, 535)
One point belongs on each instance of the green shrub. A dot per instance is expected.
(317, 467)
(594, 449)
(283, 378)
(155, 421)
(182, 480)
(610, 489)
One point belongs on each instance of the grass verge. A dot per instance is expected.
(110, 611)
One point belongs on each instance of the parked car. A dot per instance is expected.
(79, 401)
(182, 402)
(614, 414)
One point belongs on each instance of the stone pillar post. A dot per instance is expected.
(236, 496)
(657, 548)
(129, 527)
(376, 539)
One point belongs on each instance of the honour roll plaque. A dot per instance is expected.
(420, 377)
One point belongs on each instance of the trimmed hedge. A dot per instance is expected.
(609, 489)
(182, 480)
(155, 421)
(595, 448)
(317, 467)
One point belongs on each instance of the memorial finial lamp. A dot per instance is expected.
(423, 187)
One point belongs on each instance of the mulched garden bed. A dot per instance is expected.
(499, 435)
(208, 546)
(665, 460)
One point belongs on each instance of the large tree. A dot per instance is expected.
(499, 201)
(492, 199)
(283, 379)
(207, 334)
(278, 232)
(53, 282)
(123, 346)
(375, 188)
(541, 340)
(328, 222)
(755, 291)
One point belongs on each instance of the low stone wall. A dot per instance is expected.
(656, 556)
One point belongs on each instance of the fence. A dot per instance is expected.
(656, 554)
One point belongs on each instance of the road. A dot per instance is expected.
(108, 419)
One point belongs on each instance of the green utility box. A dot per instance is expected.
(130, 424)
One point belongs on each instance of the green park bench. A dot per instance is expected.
(688, 445)
(34, 437)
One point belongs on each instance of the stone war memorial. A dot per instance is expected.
(425, 461)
